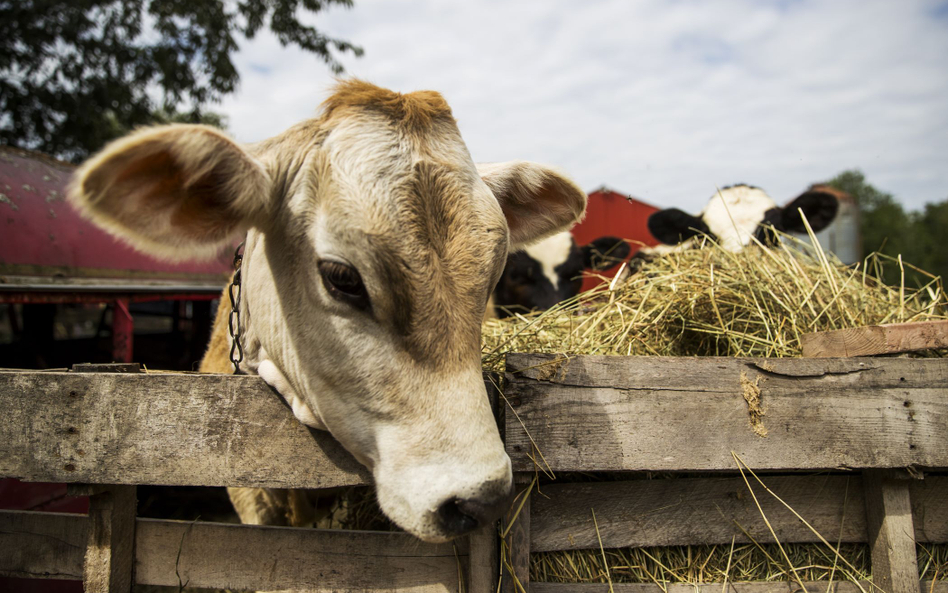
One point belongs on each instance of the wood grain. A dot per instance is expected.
(891, 532)
(256, 557)
(516, 572)
(877, 339)
(110, 545)
(693, 511)
(601, 413)
(51, 545)
(37, 545)
(482, 570)
(163, 429)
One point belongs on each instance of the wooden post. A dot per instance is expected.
(110, 549)
(891, 531)
(482, 560)
(516, 556)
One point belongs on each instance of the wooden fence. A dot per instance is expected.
(864, 420)
(853, 425)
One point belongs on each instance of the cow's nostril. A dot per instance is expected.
(459, 516)
(454, 520)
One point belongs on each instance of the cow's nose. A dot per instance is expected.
(463, 515)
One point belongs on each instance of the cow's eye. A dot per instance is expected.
(344, 283)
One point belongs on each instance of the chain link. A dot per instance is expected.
(233, 324)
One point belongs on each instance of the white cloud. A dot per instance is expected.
(665, 100)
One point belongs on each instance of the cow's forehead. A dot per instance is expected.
(410, 206)
(734, 213)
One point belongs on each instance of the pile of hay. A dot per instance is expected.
(709, 302)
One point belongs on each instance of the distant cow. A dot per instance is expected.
(551, 271)
(737, 214)
(373, 244)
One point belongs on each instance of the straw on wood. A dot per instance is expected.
(710, 302)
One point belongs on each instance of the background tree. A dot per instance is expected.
(74, 75)
(888, 228)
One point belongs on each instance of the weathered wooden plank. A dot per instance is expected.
(162, 428)
(42, 545)
(483, 555)
(890, 531)
(255, 557)
(110, 546)
(601, 413)
(693, 511)
(516, 570)
(742, 587)
(877, 339)
(51, 545)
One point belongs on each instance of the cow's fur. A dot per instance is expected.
(736, 216)
(551, 271)
(373, 243)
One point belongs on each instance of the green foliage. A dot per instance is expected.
(888, 228)
(74, 75)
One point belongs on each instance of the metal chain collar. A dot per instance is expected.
(233, 324)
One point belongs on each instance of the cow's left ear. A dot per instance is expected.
(673, 226)
(604, 253)
(538, 201)
(818, 206)
(176, 192)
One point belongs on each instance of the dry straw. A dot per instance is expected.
(710, 302)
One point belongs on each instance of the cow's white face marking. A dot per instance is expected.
(551, 253)
(734, 214)
(384, 349)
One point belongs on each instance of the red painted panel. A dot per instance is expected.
(39, 228)
(612, 213)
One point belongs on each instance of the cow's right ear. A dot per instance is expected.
(538, 201)
(673, 226)
(176, 192)
(819, 207)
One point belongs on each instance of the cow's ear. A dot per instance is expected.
(176, 192)
(538, 201)
(604, 253)
(819, 207)
(672, 226)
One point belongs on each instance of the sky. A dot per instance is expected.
(663, 100)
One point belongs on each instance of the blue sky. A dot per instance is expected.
(662, 100)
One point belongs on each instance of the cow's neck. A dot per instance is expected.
(256, 360)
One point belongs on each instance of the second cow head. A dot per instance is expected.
(551, 271)
(737, 214)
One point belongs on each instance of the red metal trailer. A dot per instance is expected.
(52, 259)
(49, 254)
(614, 213)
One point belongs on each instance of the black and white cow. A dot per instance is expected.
(736, 215)
(551, 271)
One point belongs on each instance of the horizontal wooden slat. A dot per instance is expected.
(164, 429)
(254, 557)
(693, 511)
(217, 555)
(752, 587)
(877, 339)
(602, 413)
(42, 545)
